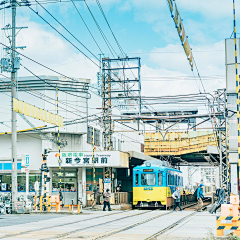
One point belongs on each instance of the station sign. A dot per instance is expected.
(81, 159)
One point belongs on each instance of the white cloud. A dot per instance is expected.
(171, 62)
(52, 51)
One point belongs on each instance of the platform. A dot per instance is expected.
(128, 224)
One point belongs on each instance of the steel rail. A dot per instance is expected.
(142, 222)
(64, 224)
(155, 235)
(63, 235)
(169, 227)
(129, 227)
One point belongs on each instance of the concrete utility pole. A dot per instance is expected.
(14, 114)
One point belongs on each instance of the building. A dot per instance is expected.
(81, 111)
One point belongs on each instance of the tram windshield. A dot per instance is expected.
(148, 179)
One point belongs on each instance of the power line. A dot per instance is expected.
(63, 35)
(38, 63)
(101, 32)
(119, 46)
(86, 25)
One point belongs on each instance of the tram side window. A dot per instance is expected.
(168, 179)
(160, 179)
(136, 179)
(173, 180)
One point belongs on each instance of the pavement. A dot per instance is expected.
(127, 224)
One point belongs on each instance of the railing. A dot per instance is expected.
(178, 143)
(121, 197)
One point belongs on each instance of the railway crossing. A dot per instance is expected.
(135, 224)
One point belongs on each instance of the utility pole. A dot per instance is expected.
(14, 114)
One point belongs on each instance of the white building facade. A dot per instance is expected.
(81, 110)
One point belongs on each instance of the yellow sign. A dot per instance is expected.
(181, 32)
(37, 113)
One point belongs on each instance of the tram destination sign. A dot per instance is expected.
(79, 159)
(147, 170)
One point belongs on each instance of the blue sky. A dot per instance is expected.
(144, 29)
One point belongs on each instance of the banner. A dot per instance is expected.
(180, 27)
(26, 109)
(187, 48)
(37, 113)
(176, 16)
(182, 37)
(181, 32)
(170, 3)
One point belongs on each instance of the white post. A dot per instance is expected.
(84, 186)
(79, 180)
(27, 184)
(50, 183)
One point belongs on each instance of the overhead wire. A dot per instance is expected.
(63, 35)
(86, 25)
(111, 49)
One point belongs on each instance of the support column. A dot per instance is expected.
(50, 182)
(79, 181)
(27, 184)
(84, 186)
(14, 114)
(234, 176)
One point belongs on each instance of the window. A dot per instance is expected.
(114, 143)
(160, 179)
(168, 179)
(119, 145)
(96, 137)
(136, 179)
(89, 134)
(68, 181)
(148, 179)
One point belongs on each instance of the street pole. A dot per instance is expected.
(14, 114)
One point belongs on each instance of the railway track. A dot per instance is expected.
(148, 220)
(162, 231)
(62, 236)
(74, 222)
(107, 234)
(59, 225)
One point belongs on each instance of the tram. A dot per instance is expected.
(154, 184)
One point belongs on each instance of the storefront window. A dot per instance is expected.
(32, 179)
(21, 182)
(21, 179)
(68, 181)
(6, 183)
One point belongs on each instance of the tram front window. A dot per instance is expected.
(148, 179)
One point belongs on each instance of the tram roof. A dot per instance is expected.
(156, 164)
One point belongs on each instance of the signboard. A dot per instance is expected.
(85, 159)
(147, 170)
(27, 160)
(4, 187)
(107, 184)
(25, 170)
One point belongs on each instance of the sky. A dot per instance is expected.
(143, 28)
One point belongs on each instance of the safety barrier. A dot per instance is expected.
(71, 206)
(230, 217)
(121, 197)
(41, 205)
